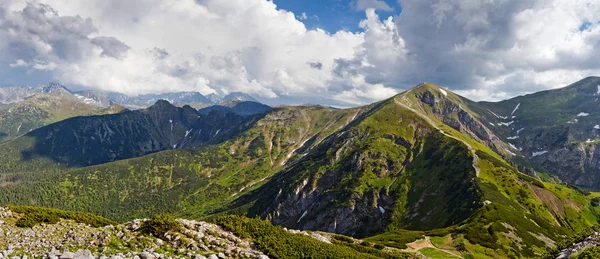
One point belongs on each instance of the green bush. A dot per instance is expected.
(344, 239)
(160, 224)
(31, 216)
(276, 242)
(588, 253)
(595, 202)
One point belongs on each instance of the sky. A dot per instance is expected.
(334, 52)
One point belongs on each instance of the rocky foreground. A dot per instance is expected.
(70, 240)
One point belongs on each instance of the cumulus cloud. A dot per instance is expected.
(502, 48)
(481, 49)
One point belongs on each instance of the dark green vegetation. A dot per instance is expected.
(191, 183)
(160, 224)
(31, 216)
(588, 253)
(423, 163)
(276, 242)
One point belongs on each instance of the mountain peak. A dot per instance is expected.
(54, 88)
(162, 104)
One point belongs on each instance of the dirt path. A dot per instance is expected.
(426, 243)
(433, 124)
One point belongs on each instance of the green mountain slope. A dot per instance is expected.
(421, 163)
(555, 132)
(192, 183)
(403, 168)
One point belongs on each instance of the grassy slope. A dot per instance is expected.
(192, 183)
(521, 214)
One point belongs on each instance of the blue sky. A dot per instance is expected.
(333, 15)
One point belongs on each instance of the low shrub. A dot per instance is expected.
(31, 216)
(160, 224)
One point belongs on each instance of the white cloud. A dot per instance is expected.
(44, 66)
(302, 16)
(481, 49)
(19, 63)
(361, 5)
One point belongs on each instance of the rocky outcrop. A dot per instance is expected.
(70, 240)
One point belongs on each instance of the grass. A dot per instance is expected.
(276, 242)
(442, 242)
(397, 239)
(31, 216)
(436, 254)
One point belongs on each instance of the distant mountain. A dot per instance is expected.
(214, 98)
(244, 108)
(92, 140)
(20, 93)
(193, 99)
(239, 96)
(43, 105)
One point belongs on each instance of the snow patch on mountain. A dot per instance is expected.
(506, 123)
(516, 108)
(519, 131)
(301, 217)
(497, 116)
(573, 121)
(444, 92)
(582, 114)
(381, 209)
(597, 127)
(539, 153)
(513, 138)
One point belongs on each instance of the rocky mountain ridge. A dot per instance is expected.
(17, 94)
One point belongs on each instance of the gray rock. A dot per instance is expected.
(67, 255)
(116, 257)
(213, 256)
(136, 257)
(199, 257)
(221, 255)
(263, 257)
(147, 255)
(84, 254)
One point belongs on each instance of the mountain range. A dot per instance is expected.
(24, 109)
(505, 179)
